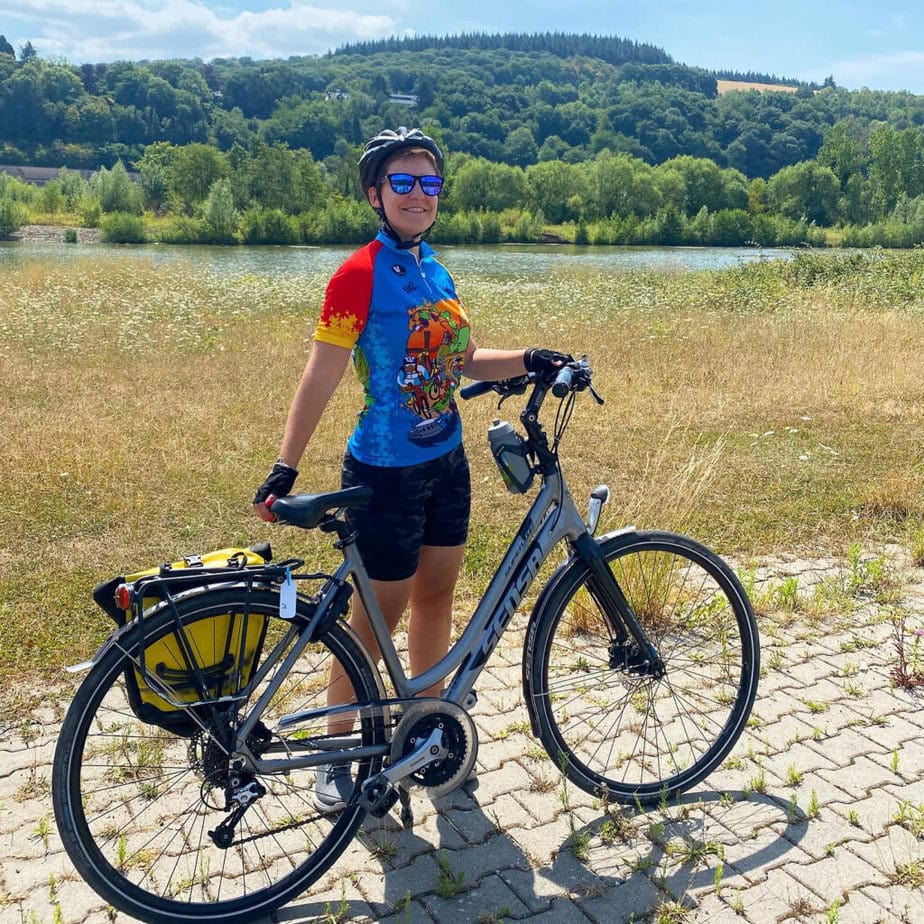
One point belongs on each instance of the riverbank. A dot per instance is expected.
(54, 234)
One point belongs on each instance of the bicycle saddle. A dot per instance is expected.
(309, 510)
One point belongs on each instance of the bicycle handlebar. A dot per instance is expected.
(467, 392)
(562, 384)
(573, 376)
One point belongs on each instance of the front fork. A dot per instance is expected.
(631, 649)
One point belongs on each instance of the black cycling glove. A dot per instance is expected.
(545, 362)
(278, 482)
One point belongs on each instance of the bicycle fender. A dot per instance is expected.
(563, 572)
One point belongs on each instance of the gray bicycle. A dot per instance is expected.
(640, 668)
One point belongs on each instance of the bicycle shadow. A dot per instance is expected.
(461, 864)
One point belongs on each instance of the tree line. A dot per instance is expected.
(862, 188)
(622, 150)
(519, 100)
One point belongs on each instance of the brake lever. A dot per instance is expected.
(596, 397)
(507, 388)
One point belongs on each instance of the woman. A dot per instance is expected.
(394, 309)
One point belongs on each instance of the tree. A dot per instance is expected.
(623, 185)
(116, 192)
(805, 191)
(841, 152)
(195, 168)
(220, 215)
(557, 190)
(479, 184)
(5, 47)
(27, 52)
(520, 147)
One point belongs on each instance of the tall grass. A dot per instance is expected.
(761, 409)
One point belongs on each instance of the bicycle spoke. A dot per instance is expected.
(617, 731)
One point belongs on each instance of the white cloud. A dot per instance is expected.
(108, 30)
(897, 70)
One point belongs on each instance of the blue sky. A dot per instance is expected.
(878, 45)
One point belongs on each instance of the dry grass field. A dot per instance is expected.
(765, 409)
(727, 86)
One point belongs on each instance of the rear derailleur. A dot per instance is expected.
(242, 791)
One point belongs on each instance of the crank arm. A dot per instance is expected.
(424, 754)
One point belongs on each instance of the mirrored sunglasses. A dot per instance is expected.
(402, 183)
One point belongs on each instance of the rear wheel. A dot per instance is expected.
(616, 730)
(164, 826)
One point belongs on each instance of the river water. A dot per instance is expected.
(514, 259)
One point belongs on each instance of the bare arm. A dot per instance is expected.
(322, 375)
(489, 365)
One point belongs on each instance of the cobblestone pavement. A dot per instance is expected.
(818, 815)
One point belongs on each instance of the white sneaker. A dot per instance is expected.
(333, 787)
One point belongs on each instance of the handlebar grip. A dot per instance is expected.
(562, 384)
(468, 392)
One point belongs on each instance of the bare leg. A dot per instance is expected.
(430, 592)
(430, 625)
(392, 597)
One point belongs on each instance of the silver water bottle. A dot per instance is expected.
(509, 451)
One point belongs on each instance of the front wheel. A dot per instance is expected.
(158, 818)
(618, 731)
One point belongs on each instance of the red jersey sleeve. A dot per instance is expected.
(346, 302)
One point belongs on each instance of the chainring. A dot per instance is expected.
(459, 737)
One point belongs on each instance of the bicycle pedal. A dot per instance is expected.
(378, 796)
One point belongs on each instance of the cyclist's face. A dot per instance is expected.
(413, 213)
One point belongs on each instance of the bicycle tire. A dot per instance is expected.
(621, 736)
(134, 803)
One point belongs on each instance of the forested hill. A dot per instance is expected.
(609, 48)
(517, 99)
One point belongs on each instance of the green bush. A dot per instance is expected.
(269, 226)
(116, 191)
(182, 229)
(122, 228)
(70, 235)
(340, 221)
(220, 216)
(90, 211)
(10, 216)
(460, 228)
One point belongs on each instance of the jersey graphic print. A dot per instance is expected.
(409, 335)
(431, 370)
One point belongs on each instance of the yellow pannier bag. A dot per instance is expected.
(226, 648)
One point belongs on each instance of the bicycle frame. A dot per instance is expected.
(551, 518)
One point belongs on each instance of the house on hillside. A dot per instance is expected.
(403, 99)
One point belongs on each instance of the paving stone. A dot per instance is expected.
(778, 896)
(384, 890)
(491, 896)
(900, 904)
(563, 911)
(834, 877)
(847, 745)
(413, 913)
(862, 775)
(631, 900)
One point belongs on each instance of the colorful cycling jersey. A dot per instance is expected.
(409, 334)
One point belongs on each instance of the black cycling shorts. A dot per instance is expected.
(412, 505)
